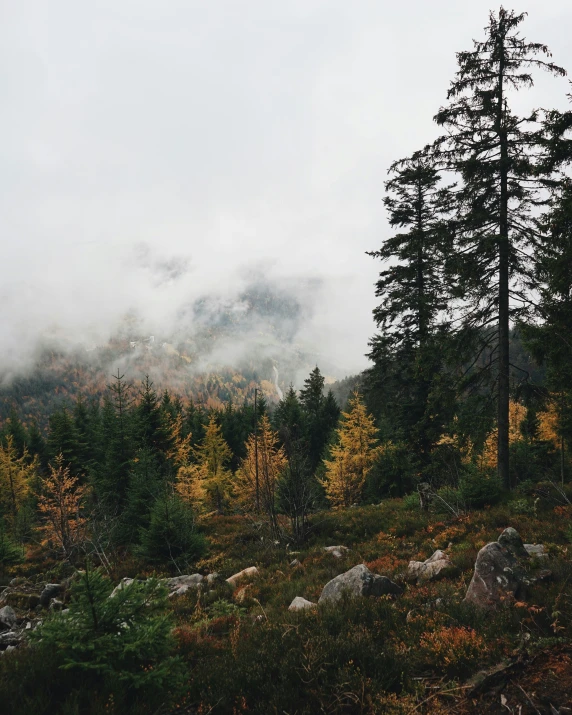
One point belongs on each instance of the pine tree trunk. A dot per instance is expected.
(503, 288)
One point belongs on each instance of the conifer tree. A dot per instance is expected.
(501, 160)
(61, 506)
(408, 351)
(352, 457)
(16, 475)
(262, 451)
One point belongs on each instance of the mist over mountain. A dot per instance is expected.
(218, 347)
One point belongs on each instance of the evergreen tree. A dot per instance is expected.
(312, 394)
(500, 159)
(64, 439)
(320, 416)
(151, 425)
(551, 338)
(408, 352)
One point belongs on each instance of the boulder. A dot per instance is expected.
(497, 578)
(8, 616)
(295, 563)
(337, 551)
(212, 579)
(177, 582)
(359, 581)
(536, 551)
(510, 540)
(51, 590)
(300, 604)
(437, 566)
(250, 572)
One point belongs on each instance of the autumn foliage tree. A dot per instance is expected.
(60, 505)
(352, 457)
(16, 475)
(259, 474)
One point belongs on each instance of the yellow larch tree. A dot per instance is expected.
(516, 416)
(60, 504)
(256, 487)
(548, 421)
(16, 474)
(213, 456)
(352, 457)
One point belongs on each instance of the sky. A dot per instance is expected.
(152, 151)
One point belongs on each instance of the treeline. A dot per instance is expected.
(138, 469)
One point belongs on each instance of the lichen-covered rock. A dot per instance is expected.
(359, 581)
(250, 572)
(190, 581)
(436, 566)
(510, 539)
(497, 577)
(300, 604)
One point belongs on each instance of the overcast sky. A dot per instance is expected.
(219, 136)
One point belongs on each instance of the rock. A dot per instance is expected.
(359, 581)
(300, 604)
(536, 551)
(177, 582)
(510, 539)
(124, 583)
(50, 591)
(497, 577)
(56, 605)
(337, 551)
(10, 638)
(8, 616)
(437, 566)
(250, 572)
(295, 563)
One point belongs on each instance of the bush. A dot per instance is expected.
(478, 488)
(10, 553)
(172, 534)
(119, 646)
(411, 502)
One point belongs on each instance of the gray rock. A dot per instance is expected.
(8, 616)
(50, 591)
(250, 572)
(124, 583)
(536, 551)
(497, 578)
(56, 605)
(10, 638)
(294, 563)
(337, 551)
(437, 566)
(510, 539)
(359, 581)
(191, 581)
(300, 604)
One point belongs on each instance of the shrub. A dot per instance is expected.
(411, 502)
(172, 534)
(10, 553)
(478, 488)
(452, 649)
(117, 645)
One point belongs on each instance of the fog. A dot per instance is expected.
(157, 152)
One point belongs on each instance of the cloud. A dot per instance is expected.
(156, 152)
